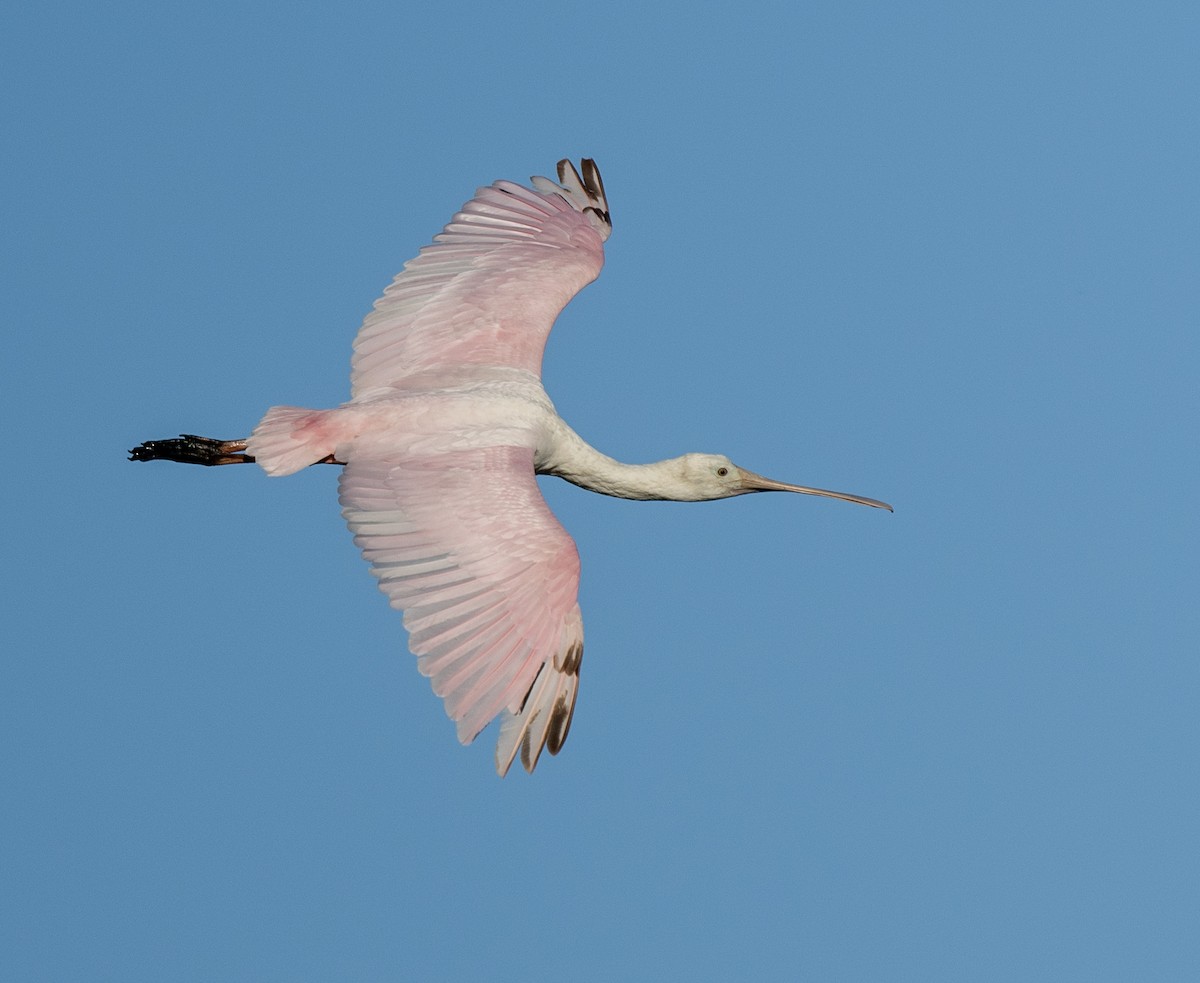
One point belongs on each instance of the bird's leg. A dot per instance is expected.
(187, 448)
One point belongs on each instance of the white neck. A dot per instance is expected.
(573, 459)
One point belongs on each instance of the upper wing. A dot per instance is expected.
(489, 288)
(465, 545)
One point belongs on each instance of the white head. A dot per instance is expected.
(703, 477)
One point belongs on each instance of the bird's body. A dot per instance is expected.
(447, 425)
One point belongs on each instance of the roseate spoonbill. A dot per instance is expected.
(446, 427)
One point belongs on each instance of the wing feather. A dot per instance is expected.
(465, 545)
(445, 507)
(487, 291)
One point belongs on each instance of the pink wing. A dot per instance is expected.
(489, 288)
(465, 545)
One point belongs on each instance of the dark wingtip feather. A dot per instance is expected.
(592, 180)
(589, 187)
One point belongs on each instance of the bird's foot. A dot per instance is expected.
(189, 449)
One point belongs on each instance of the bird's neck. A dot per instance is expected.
(573, 459)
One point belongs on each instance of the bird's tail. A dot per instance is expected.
(290, 438)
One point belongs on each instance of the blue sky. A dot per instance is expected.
(936, 253)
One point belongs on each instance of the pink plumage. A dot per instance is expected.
(445, 431)
(439, 487)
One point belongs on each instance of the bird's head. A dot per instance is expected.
(712, 476)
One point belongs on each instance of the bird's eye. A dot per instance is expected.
(721, 472)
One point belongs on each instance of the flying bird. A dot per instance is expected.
(446, 427)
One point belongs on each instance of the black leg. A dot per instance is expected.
(189, 449)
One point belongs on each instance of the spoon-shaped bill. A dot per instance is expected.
(756, 483)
